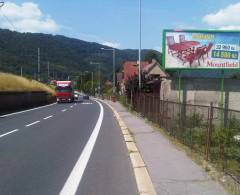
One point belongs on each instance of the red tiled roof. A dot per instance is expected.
(130, 69)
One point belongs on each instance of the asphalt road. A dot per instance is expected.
(64, 149)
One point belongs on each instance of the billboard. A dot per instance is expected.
(190, 49)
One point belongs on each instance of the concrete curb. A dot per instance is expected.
(143, 180)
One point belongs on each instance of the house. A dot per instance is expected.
(153, 70)
(152, 74)
(130, 69)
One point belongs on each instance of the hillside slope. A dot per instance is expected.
(67, 56)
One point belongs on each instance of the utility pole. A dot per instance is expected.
(114, 74)
(21, 71)
(81, 78)
(140, 44)
(38, 64)
(99, 80)
(53, 72)
(48, 68)
(92, 83)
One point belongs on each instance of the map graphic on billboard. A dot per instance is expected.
(201, 49)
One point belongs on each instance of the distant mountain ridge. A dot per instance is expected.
(66, 56)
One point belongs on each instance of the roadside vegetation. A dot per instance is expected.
(211, 141)
(14, 83)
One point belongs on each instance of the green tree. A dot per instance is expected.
(152, 54)
(87, 87)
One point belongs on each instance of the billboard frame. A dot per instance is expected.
(192, 31)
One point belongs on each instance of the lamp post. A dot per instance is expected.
(48, 69)
(99, 82)
(114, 66)
(140, 44)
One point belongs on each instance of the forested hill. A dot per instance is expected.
(67, 56)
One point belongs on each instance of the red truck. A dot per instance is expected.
(64, 91)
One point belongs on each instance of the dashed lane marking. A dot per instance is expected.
(86, 103)
(10, 132)
(31, 124)
(48, 117)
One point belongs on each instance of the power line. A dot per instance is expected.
(7, 19)
(1, 3)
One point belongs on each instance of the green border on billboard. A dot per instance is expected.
(192, 69)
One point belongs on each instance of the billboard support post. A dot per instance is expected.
(222, 98)
(222, 90)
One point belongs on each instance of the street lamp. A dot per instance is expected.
(99, 83)
(114, 65)
(140, 44)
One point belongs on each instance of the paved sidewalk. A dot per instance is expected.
(171, 170)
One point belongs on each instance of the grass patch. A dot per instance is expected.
(14, 83)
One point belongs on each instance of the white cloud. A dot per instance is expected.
(26, 17)
(230, 27)
(227, 18)
(110, 44)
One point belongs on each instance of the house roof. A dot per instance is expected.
(130, 68)
(154, 69)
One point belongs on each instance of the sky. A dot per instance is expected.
(115, 23)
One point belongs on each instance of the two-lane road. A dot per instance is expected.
(64, 149)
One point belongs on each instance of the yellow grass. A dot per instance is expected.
(10, 82)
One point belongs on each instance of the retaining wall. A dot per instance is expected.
(202, 91)
(10, 101)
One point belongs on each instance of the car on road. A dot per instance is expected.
(85, 97)
(76, 95)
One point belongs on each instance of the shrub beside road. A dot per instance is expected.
(13, 83)
(18, 93)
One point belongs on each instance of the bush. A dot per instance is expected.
(10, 82)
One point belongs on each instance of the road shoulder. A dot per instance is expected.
(143, 180)
(171, 170)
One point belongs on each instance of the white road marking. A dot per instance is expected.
(86, 103)
(75, 104)
(26, 110)
(34, 123)
(64, 110)
(71, 106)
(48, 117)
(9, 133)
(74, 179)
